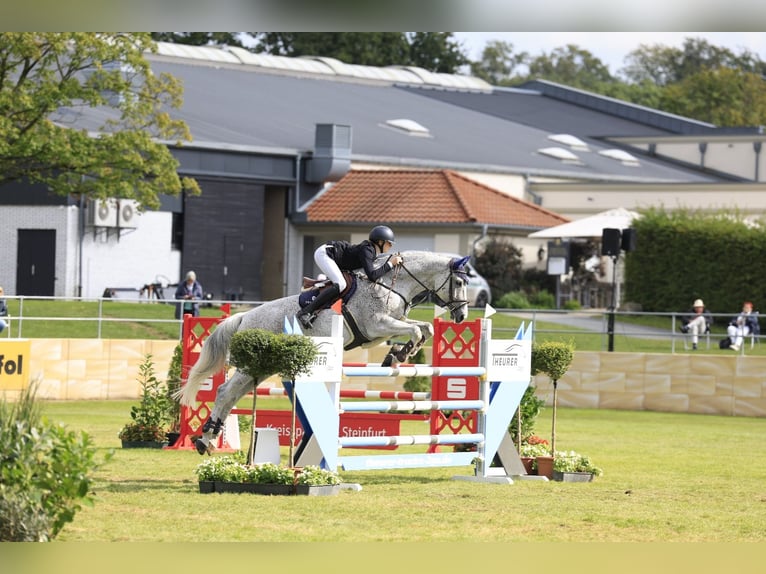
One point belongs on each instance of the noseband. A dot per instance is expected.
(433, 294)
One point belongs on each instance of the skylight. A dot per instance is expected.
(569, 141)
(620, 155)
(560, 153)
(411, 127)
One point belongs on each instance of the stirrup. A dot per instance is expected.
(306, 319)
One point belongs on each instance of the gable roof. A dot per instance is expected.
(424, 197)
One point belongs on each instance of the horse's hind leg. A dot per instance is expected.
(226, 397)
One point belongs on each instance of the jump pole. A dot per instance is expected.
(505, 375)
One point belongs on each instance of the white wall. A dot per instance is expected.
(130, 258)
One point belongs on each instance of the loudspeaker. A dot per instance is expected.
(629, 239)
(610, 241)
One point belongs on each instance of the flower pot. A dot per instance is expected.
(545, 466)
(529, 464)
(206, 486)
(572, 476)
(144, 444)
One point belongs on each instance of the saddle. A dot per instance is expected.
(312, 287)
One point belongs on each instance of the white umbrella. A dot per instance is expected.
(591, 226)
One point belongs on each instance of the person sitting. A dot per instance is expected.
(742, 325)
(334, 257)
(696, 322)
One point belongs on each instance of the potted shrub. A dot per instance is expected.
(571, 466)
(174, 386)
(531, 450)
(152, 417)
(552, 358)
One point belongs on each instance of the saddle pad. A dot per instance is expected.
(308, 296)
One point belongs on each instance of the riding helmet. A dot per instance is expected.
(381, 233)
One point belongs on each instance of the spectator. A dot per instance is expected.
(697, 322)
(3, 311)
(190, 291)
(743, 325)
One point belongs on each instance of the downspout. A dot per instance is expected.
(81, 238)
(757, 148)
(484, 229)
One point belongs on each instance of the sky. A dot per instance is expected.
(610, 47)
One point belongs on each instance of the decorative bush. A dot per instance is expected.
(261, 353)
(44, 472)
(530, 407)
(153, 416)
(514, 300)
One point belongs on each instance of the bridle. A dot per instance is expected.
(432, 294)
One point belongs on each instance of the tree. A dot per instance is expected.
(434, 51)
(571, 65)
(723, 96)
(498, 63)
(664, 65)
(50, 80)
(500, 264)
(198, 38)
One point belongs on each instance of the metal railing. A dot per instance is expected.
(557, 322)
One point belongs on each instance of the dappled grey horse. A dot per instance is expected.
(376, 312)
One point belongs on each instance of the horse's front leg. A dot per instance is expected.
(390, 327)
(226, 397)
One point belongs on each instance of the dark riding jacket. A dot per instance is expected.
(357, 256)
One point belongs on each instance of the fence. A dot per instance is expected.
(109, 317)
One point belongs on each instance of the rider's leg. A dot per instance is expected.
(326, 263)
(306, 315)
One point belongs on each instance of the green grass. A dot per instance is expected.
(667, 477)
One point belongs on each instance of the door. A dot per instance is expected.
(36, 262)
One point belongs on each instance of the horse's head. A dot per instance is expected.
(457, 284)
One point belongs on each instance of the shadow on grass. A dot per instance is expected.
(145, 485)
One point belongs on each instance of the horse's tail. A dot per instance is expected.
(212, 359)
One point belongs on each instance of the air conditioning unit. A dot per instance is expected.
(102, 213)
(128, 213)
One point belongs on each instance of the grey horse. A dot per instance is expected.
(376, 312)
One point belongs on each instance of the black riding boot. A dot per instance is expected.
(307, 315)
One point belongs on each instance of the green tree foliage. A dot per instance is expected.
(571, 66)
(498, 63)
(722, 96)
(434, 51)
(685, 254)
(666, 65)
(500, 264)
(45, 472)
(199, 38)
(49, 79)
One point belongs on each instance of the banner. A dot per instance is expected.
(14, 364)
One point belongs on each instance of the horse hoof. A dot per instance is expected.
(388, 360)
(201, 446)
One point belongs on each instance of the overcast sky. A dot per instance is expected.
(610, 47)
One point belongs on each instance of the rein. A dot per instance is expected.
(427, 294)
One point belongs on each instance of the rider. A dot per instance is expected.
(334, 257)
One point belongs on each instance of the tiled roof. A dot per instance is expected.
(421, 196)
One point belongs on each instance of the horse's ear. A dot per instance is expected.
(459, 263)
